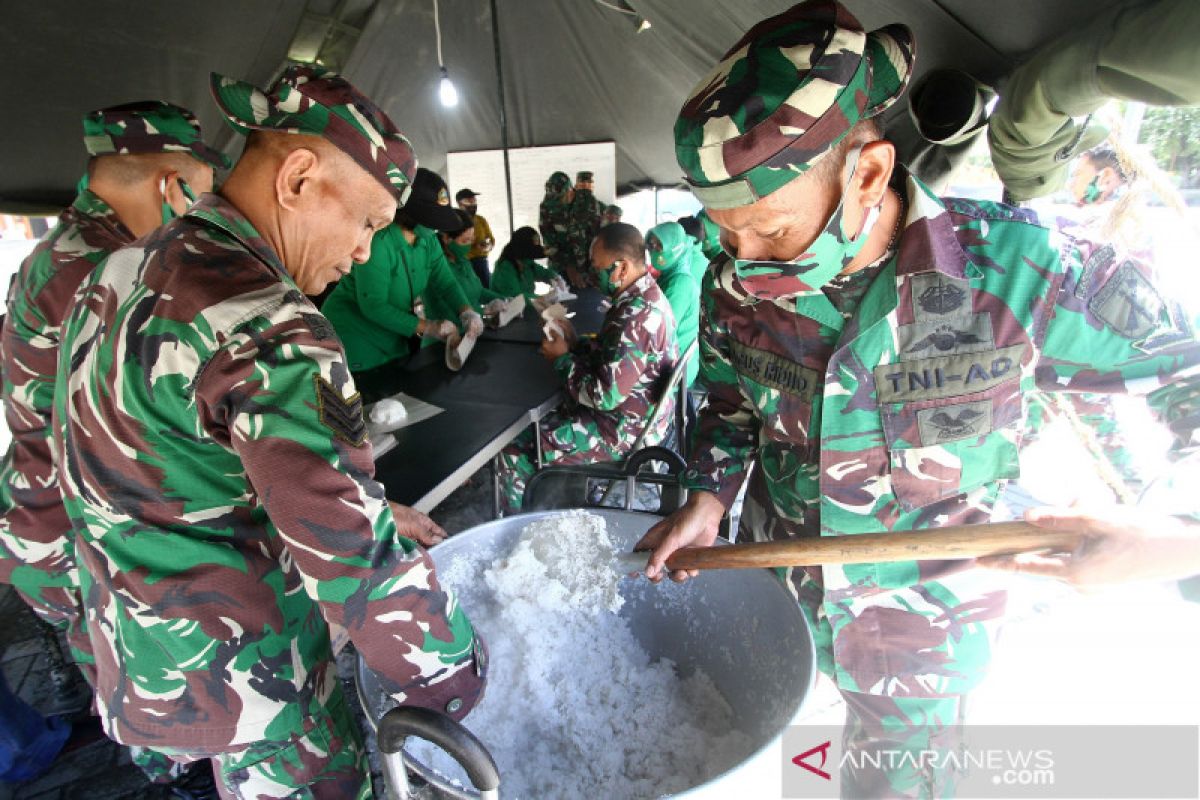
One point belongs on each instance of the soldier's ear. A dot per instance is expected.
(874, 170)
(296, 170)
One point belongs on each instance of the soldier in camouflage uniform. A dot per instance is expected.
(866, 347)
(568, 219)
(585, 218)
(214, 461)
(554, 222)
(612, 383)
(143, 156)
(147, 159)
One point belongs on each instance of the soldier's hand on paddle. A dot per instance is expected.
(1119, 544)
(693, 525)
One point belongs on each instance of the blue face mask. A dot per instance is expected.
(168, 213)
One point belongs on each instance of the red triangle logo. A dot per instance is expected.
(823, 749)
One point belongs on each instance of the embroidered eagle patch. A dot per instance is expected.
(343, 416)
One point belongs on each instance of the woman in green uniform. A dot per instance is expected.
(678, 258)
(379, 309)
(457, 244)
(518, 271)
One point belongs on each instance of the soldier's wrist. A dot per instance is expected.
(706, 503)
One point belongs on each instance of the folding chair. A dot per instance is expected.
(610, 484)
(675, 385)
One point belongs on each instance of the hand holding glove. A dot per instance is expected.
(440, 329)
(472, 322)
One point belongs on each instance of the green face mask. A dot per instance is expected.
(820, 263)
(459, 250)
(1092, 193)
(168, 213)
(605, 281)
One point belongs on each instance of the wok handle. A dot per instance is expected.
(433, 726)
(934, 544)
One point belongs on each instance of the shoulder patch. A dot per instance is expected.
(1098, 265)
(343, 416)
(936, 296)
(1128, 304)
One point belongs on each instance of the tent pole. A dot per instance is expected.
(503, 113)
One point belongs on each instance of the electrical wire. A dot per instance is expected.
(437, 29)
(628, 11)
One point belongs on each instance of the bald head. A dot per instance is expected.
(315, 206)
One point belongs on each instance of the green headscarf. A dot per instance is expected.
(678, 250)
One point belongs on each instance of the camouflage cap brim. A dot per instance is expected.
(783, 97)
(311, 100)
(148, 127)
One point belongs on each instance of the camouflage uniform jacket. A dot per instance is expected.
(214, 461)
(36, 552)
(569, 228)
(908, 414)
(614, 381)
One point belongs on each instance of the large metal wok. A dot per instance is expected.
(741, 627)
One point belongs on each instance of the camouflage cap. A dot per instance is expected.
(584, 175)
(312, 100)
(148, 126)
(783, 96)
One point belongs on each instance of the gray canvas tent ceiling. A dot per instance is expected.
(574, 71)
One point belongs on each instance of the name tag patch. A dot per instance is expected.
(951, 423)
(774, 371)
(947, 376)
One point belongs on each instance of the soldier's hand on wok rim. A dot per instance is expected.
(416, 526)
(694, 525)
(1118, 544)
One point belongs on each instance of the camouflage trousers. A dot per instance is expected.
(324, 760)
(564, 441)
(886, 744)
(904, 659)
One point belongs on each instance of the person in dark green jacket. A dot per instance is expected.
(457, 244)
(374, 309)
(678, 259)
(517, 270)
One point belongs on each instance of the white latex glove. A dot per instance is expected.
(496, 306)
(440, 329)
(472, 322)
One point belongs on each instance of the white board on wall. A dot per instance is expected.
(483, 171)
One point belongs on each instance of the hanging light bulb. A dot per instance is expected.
(644, 25)
(446, 90)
